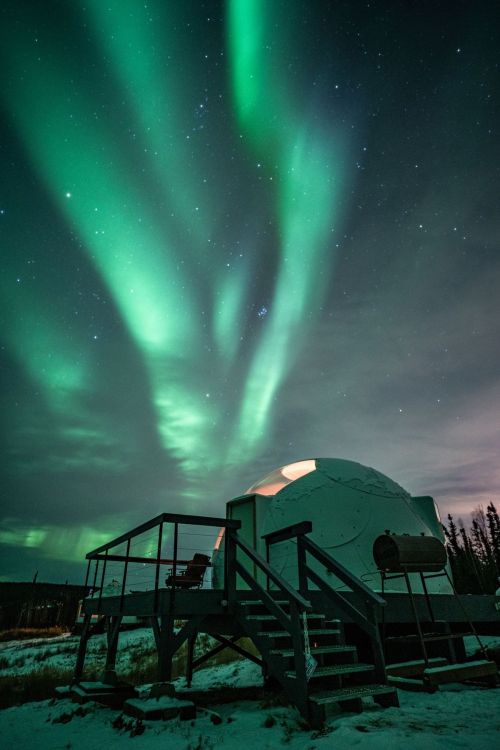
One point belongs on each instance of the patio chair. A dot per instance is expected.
(192, 576)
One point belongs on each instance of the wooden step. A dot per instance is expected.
(312, 632)
(327, 697)
(272, 618)
(427, 637)
(459, 672)
(412, 668)
(336, 670)
(317, 650)
(416, 685)
(260, 603)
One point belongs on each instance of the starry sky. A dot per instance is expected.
(234, 235)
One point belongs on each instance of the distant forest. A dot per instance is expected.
(474, 553)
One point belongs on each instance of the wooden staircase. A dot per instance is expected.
(339, 679)
(303, 650)
(434, 638)
(274, 620)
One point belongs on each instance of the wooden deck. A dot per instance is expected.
(322, 642)
(210, 602)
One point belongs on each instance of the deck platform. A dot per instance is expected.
(335, 615)
(212, 606)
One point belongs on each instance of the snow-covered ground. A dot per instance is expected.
(457, 716)
(27, 656)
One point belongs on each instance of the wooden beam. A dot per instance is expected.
(135, 559)
(288, 532)
(166, 518)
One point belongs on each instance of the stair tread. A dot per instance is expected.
(337, 669)
(282, 633)
(463, 665)
(434, 661)
(317, 650)
(272, 618)
(260, 603)
(427, 637)
(349, 693)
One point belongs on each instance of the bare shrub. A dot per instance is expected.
(22, 634)
(37, 686)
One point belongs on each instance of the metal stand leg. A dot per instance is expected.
(417, 621)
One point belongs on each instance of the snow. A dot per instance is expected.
(455, 717)
(28, 656)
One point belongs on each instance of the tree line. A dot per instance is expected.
(474, 553)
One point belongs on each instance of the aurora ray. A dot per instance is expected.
(145, 278)
(309, 181)
(233, 235)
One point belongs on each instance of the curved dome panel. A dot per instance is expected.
(349, 506)
(276, 480)
(317, 498)
(361, 478)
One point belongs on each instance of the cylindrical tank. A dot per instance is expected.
(395, 553)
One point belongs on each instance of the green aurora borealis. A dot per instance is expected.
(205, 273)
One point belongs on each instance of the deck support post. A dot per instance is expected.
(165, 653)
(112, 633)
(190, 657)
(156, 631)
(82, 649)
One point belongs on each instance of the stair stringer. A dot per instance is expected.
(301, 693)
(294, 689)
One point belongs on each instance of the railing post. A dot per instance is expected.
(301, 565)
(102, 581)
(298, 644)
(95, 577)
(125, 568)
(230, 567)
(268, 558)
(158, 558)
(176, 541)
(87, 576)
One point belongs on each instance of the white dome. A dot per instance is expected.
(349, 506)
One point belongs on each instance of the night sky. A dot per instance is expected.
(235, 235)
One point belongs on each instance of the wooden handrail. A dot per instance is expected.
(340, 601)
(165, 518)
(366, 620)
(329, 562)
(297, 603)
(273, 575)
(345, 575)
(283, 618)
(144, 560)
(281, 535)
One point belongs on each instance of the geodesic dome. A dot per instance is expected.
(349, 506)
